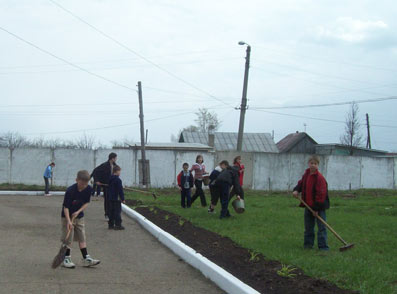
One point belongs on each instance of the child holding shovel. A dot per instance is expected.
(313, 188)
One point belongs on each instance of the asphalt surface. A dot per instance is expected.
(132, 261)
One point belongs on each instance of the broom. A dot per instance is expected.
(60, 257)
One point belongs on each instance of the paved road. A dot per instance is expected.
(132, 261)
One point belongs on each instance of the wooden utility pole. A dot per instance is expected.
(243, 107)
(368, 133)
(143, 154)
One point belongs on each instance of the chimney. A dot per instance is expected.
(211, 136)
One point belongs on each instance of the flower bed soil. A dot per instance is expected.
(259, 272)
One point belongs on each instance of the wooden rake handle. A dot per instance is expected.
(321, 220)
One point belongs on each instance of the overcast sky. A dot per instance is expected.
(303, 52)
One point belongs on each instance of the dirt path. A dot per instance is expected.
(132, 261)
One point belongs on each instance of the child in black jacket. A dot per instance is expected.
(226, 179)
(185, 184)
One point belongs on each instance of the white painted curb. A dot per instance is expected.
(210, 270)
(30, 193)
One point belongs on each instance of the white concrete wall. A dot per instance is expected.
(68, 162)
(377, 172)
(264, 171)
(28, 165)
(5, 165)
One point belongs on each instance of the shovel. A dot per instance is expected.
(346, 246)
(135, 190)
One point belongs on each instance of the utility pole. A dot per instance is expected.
(243, 107)
(368, 133)
(143, 154)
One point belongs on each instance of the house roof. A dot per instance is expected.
(289, 141)
(252, 142)
(346, 147)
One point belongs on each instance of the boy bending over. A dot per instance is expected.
(75, 202)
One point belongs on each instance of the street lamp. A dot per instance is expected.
(243, 107)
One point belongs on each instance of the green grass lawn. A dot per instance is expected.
(273, 225)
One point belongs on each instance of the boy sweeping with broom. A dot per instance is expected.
(77, 198)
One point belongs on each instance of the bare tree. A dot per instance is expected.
(123, 143)
(352, 136)
(85, 142)
(14, 140)
(205, 119)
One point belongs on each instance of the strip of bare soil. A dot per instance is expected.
(256, 271)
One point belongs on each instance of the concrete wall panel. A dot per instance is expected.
(69, 162)
(377, 172)
(343, 172)
(28, 165)
(5, 172)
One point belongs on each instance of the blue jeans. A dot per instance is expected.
(185, 197)
(309, 230)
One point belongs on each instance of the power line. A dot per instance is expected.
(328, 104)
(279, 51)
(319, 83)
(137, 54)
(114, 67)
(107, 127)
(299, 116)
(64, 60)
(104, 61)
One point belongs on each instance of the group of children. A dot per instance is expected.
(227, 181)
(221, 180)
(76, 200)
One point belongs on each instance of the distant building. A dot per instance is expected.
(222, 141)
(297, 143)
(339, 149)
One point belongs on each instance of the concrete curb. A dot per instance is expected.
(210, 270)
(30, 193)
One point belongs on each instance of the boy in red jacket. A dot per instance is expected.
(313, 188)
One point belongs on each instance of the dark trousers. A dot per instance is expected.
(47, 185)
(310, 221)
(234, 192)
(215, 193)
(106, 200)
(114, 213)
(224, 195)
(186, 197)
(96, 188)
(199, 192)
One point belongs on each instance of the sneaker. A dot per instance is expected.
(88, 261)
(68, 263)
(119, 228)
(211, 210)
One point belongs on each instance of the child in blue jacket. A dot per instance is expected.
(116, 197)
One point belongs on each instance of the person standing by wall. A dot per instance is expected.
(103, 173)
(47, 176)
(199, 171)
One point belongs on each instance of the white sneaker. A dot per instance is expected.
(68, 263)
(88, 261)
